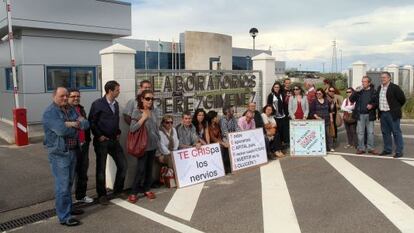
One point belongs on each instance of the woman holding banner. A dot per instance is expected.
(144, 116)
(321, 110)
(272, 137)
(215, 136)
(298, 104)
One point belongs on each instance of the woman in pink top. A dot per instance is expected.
(350, 123)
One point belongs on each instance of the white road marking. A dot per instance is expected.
(155, 217)
(278, 212)
(371, 156)
(409, 162)
(184, 201)
(399, 213)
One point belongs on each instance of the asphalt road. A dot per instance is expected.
(338, 193)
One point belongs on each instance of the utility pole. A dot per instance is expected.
(334, 62)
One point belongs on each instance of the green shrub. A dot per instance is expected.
(408, 108)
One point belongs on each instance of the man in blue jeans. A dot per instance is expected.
(61, 124)
(365, 113)
(391, 98)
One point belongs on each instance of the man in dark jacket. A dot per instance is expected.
(82, 154)
(104, 120)
(365, 114)
(390, 99)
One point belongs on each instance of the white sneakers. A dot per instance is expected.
(86, 199)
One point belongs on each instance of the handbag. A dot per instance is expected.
(348, 118)
(338, 120)
(137, 142)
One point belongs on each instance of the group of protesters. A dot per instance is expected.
(68, 132)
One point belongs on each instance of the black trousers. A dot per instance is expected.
(143, 175)
(273, 145)
(226, 159)
(82, 165)
(283, 129)
(114, 149)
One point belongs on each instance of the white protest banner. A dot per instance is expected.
(247, 149)
(307, 138)
(193, 166)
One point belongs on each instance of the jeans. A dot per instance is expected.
(82, 165)
(351, 134)
(388, 127)
(365, 124)
(143, 176)
(63, 170)
(114, 149)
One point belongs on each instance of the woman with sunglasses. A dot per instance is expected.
(298, 104)
(335, 102)
(200, 123)
(349, 122)
(320, 110)
(144, 116)
(168, 140)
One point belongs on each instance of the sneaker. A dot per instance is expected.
(347, 146)
(332, 150)
(85, 199)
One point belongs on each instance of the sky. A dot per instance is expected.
(300, 32)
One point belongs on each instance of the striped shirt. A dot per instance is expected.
(383, 103)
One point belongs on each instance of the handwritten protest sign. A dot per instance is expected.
(307, 138)
(247, 149)
(193, 166)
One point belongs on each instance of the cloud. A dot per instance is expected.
(296, 31)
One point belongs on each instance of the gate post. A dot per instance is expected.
(266, 64)
(118, 63)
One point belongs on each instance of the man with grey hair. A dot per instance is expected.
(365, 101)
(61, 124)
(391, 98)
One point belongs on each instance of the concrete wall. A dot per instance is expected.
(201, 46)
(107, 17)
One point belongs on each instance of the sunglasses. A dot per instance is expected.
(319, 93)
(331, 90)
(296, 89)
(168, 122)
(149, 99)
(349, 92)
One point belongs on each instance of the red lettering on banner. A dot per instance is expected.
(8, 7)
(183, 154)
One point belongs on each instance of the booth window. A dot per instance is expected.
(71, 77)
(9, 79)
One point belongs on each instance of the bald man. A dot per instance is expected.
(61, 124)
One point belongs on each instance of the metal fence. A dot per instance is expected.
(177, 91)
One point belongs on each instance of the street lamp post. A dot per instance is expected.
(253, 32)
